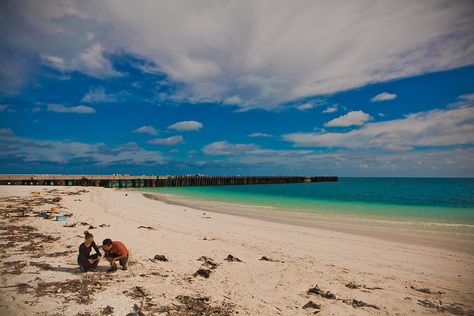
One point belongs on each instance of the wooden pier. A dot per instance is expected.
(128, 181)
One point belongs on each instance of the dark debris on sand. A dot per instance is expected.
(205, 273)
(137, 292)
(23, 288)
(231, 258)
(108, 310)
(26, 239)
(426, 290)
(324, 294)
(189, 306)
(353, 285)
(83, 289)
(145, 297)
(265, 258)
(208, 262)
(160, 258)
(357, 304)
(454, 308)
(13, 267)
(42, 265)
(146, 227)
(312, 305)
(59, 253)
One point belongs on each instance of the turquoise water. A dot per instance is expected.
(434, 200)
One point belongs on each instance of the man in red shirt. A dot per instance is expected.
(115, 251)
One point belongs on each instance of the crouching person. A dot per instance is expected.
(86, 261)
(115, 251)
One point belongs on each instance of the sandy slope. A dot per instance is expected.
(304, 257)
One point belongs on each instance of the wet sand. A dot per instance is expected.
(447, 238)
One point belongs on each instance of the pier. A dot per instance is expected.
(129, 181)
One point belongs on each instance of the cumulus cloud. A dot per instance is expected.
(463, 101)
(98, 95)
(146, 130)
(467, 97)
(6, 132)
(54, 62)
(27, 150)
(331, 109)
(186, 126)
(219, 51)
(80, 109)
(384, 96)
(168, 141)
(354, 118)
(233, 100)
(226, 148)
(350, 162)
(91, 61)
(305, 106)
(258, 134)
(6, 108)
(425, 129)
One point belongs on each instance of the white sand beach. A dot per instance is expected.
(364, 275)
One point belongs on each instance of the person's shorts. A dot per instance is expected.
(122, 261)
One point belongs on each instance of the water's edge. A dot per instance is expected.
(453, 238)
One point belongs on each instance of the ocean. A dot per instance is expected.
(435, 201)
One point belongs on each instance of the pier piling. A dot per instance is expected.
(127, 181)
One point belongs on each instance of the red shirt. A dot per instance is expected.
(118, 248)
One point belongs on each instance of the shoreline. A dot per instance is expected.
(218, 264)
(307, 219)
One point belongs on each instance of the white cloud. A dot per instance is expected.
(146, 130)
(233, 100)
(225, 148)
(54, 62)
(467, 97)
(305, 106)
(258, 134)
(168, 141)
(384, 96)
(80, 109)
(331, 109)
(27, 150)
(98, 95)
(91, 61)
(351, 162)
(463, 101)
(220, 50)
(186, 126)
(6, 108)
(354, 118)
(6, 132)
(425, 129)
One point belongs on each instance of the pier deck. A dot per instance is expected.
(128, 181)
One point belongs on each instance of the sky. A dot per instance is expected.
(345, 88)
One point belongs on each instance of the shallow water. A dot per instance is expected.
(435, 201)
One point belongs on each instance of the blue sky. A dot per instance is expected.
(242, 87)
